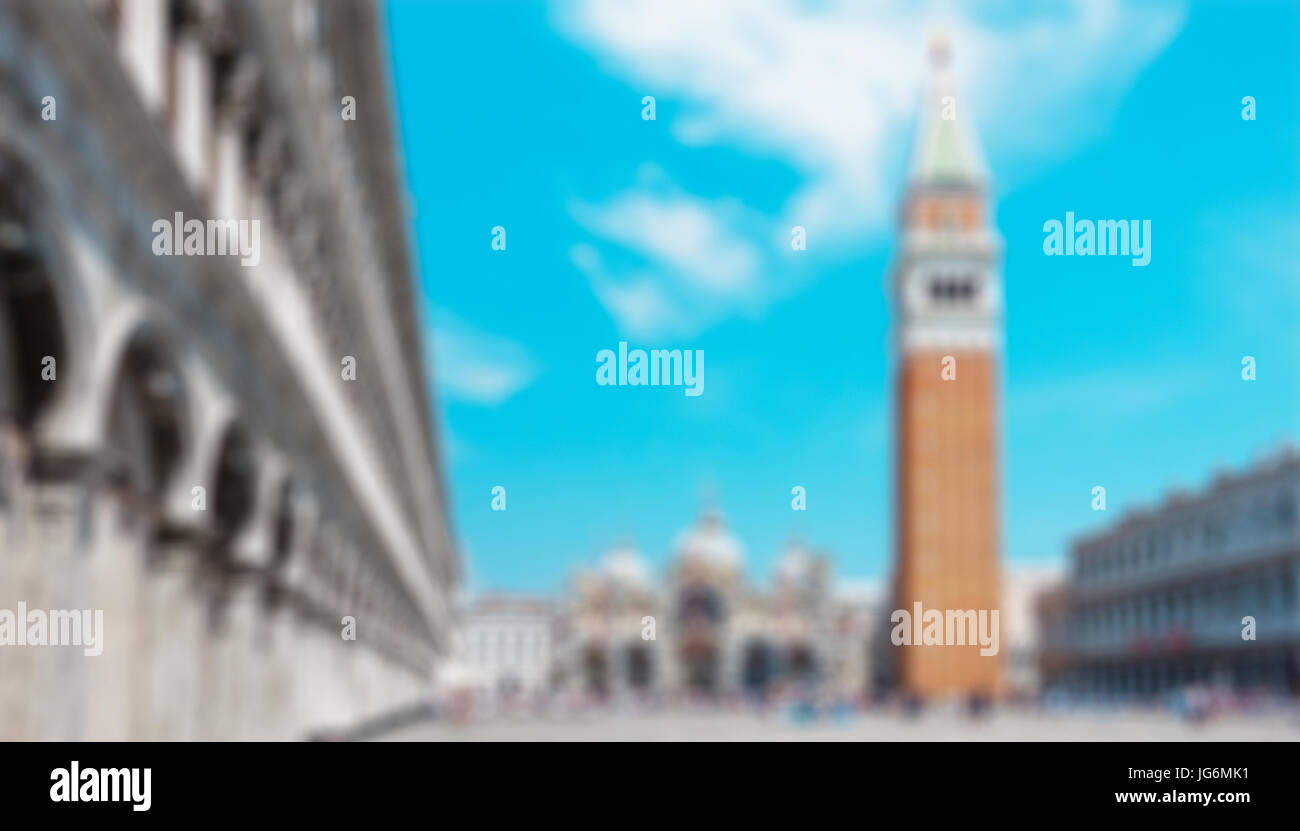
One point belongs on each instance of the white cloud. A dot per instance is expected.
(664, 262)
(474, 366)
(639, 305)
(683, 233)
(832, 87)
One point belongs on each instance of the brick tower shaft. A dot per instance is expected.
(947, 302)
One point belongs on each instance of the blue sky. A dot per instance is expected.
(675, 233)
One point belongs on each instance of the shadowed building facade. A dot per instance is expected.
(181, 446)
(947, 301)
(1200, 590)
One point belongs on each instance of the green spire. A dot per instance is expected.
(946, 153)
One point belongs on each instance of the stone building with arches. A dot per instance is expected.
(716, 634)
(179, 447)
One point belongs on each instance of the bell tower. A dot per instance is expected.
(947, 299)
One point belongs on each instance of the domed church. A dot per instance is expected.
(703, 630)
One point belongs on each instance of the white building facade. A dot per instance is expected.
(1201, 589)
(705, 631)
(227, 459)
(507, 644)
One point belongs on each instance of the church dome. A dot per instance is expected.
(710, 541)
(625, 567)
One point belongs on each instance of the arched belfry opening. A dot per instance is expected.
(146, 417)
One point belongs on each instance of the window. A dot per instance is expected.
(1214, 534)
(1264, 592)
(1285, 509)
(1286, 583)
(950, 289)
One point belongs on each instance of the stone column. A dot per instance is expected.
(281, 621)
(53, 577)
(142, 45)
(191, 103)
(173, 625)
(115, 572)
(17, 570)
(236, 108)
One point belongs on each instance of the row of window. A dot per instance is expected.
(191, 78)
(1261, 593)
(501, 645)
(952, 289)
(1207, 535)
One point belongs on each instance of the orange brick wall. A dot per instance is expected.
(947, 532)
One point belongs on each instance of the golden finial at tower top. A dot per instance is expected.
(940, 51)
